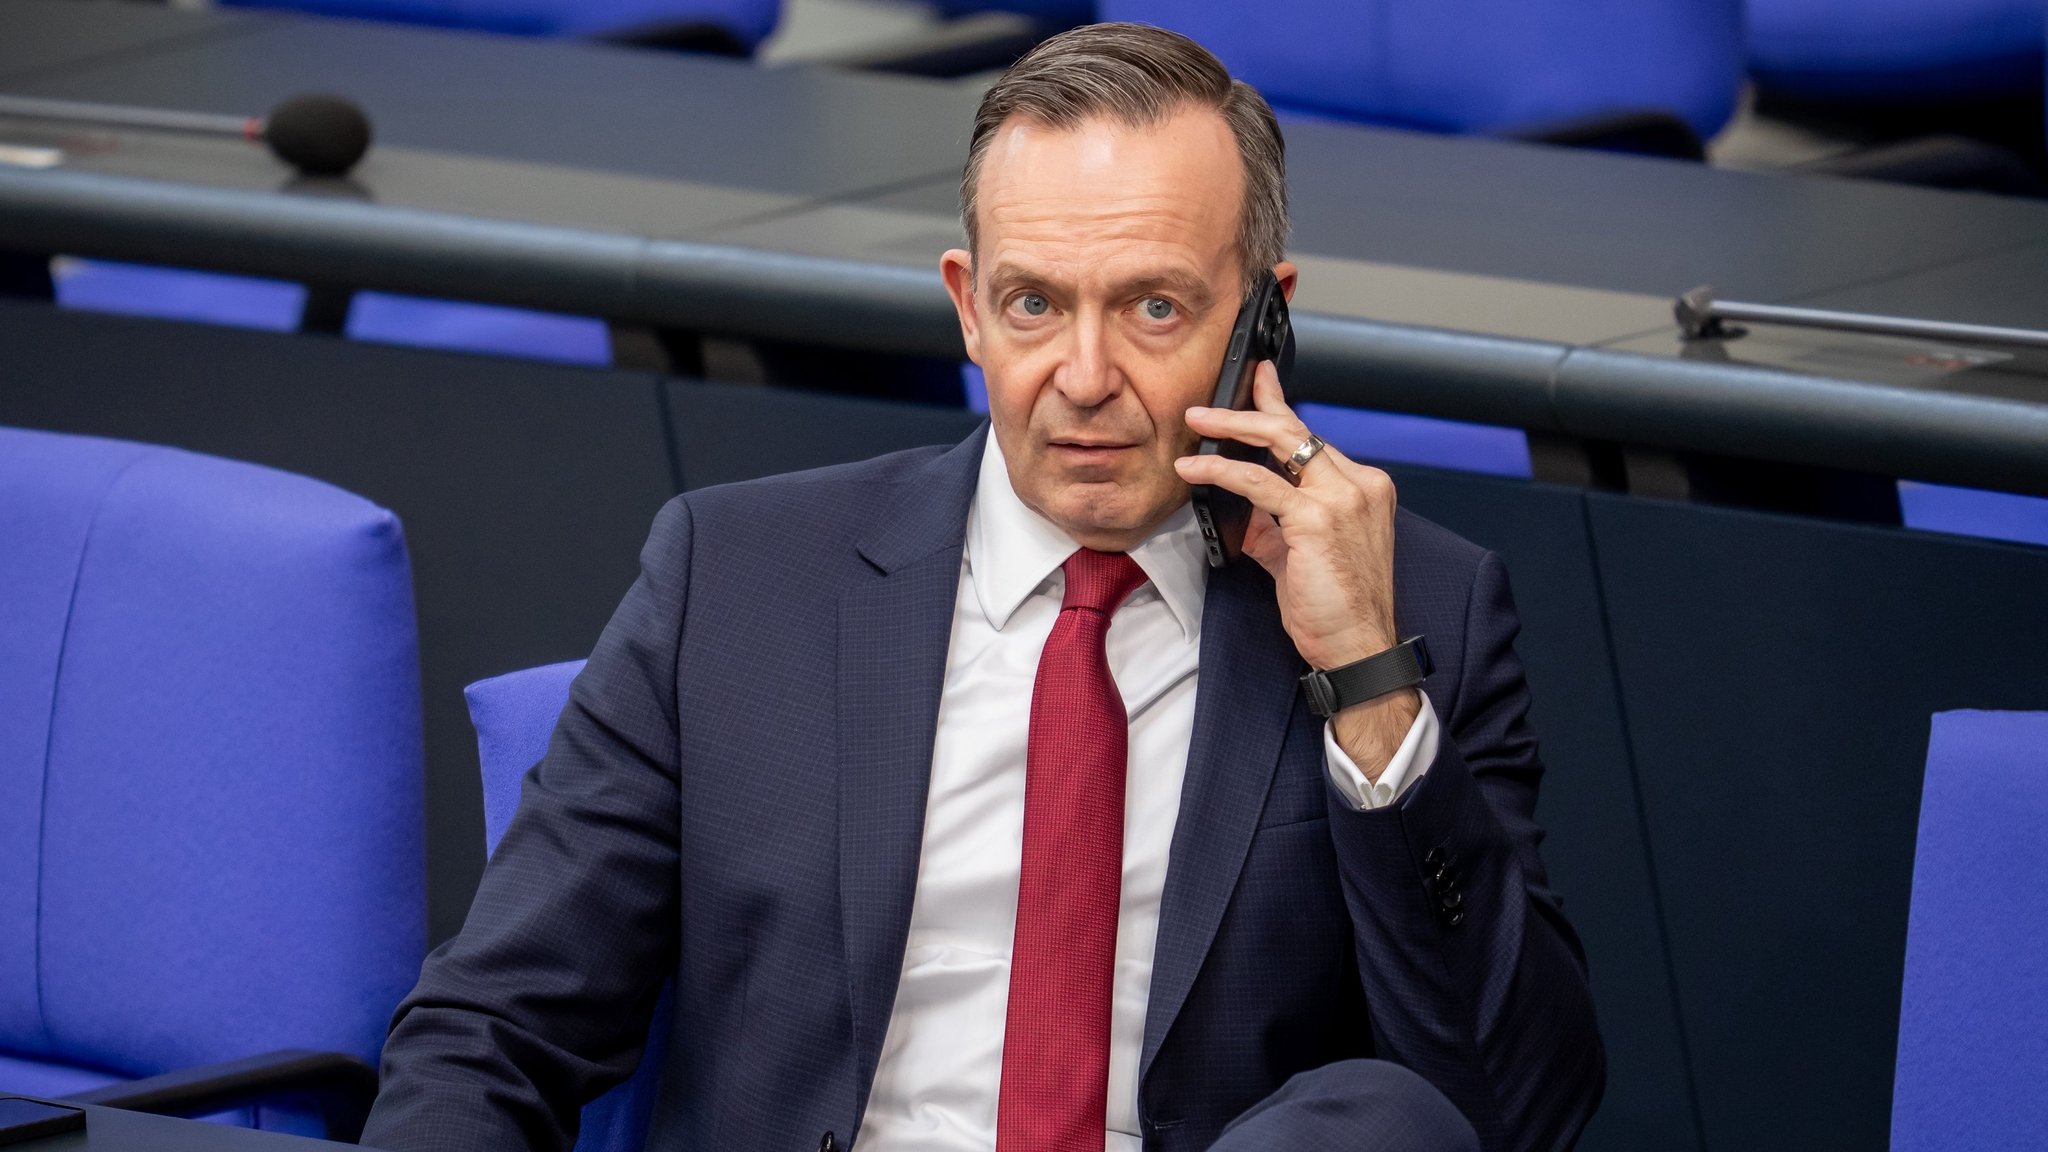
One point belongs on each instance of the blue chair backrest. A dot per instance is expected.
(514, 716)
(1973, 1050)
(749, 21)
(1974, 512)
(1471, 65)
(211, 782)
(1048, 13)
(1894, 49)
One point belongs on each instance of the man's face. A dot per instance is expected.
(1106, 285)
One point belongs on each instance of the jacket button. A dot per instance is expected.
(1454, 919)
(1434, 858)
(829, 1143)
(1451, 899)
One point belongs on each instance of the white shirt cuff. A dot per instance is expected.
(1411, 761)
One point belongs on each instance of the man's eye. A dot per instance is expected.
(1032, 304)
(1157, 308)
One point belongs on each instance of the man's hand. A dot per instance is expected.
(1329, 545)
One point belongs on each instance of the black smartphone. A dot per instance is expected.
(23, 1120)
(1262, 332)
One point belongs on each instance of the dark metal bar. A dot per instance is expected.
(1701, 316)
(116, 116)
(341, 1085)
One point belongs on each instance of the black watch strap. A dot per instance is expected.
(1403, 666)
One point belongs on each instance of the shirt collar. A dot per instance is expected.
(1013, 551)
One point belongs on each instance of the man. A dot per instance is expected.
(967, 808)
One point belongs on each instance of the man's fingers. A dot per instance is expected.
(1278, 432)
(1267, 492)
(1266, 394)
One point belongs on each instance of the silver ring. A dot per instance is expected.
(1302, 455)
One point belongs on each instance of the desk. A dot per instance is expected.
(113, 1130)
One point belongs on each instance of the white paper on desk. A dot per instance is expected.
(22, 156)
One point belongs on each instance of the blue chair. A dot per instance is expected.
(745, 22)
(1048, 14)
(211, 797)
(1974, 512)
(514, 716)
(1895, 50)
(1971, 1050)
(1495, 66)
(377, 317)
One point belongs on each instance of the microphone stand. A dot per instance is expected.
(1702, 317)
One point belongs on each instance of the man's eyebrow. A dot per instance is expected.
(1189, 287)
(1007, 276)
(1186, 285)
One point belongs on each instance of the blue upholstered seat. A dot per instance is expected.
(211, 801)
(1974, 512)
(1048, 13)
(1895, 49)
(514, 715)
(1971, 1050)
(379, 317)
(749, 21)
(1471, 65)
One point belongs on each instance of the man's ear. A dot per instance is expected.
(957, 268)
(1286, 273)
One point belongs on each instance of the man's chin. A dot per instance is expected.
(1097, 512)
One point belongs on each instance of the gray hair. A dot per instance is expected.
(1140, 75)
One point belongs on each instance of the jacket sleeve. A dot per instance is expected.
(1473, 977)
(542, 1001)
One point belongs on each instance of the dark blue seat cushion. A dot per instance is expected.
(1896, 49)
(276, 305)
(25, 1077)
(749, 21)
(1972, 1053)
(1974, 512)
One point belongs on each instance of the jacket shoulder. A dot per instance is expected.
(1433, 546)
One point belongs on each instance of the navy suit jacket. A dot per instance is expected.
(734, 798)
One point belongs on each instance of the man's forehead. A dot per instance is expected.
(1188, 138)
(1056, 193)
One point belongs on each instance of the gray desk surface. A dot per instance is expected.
(798, 131)
(48, 38)
(112, 1130)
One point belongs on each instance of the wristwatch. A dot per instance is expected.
(1403, 666)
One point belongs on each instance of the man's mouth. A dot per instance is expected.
(1088, 457)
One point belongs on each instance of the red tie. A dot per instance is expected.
(1055, 1088)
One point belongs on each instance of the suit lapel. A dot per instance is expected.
(894, 630)
(1242, 709)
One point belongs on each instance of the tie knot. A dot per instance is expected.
(1100, 580)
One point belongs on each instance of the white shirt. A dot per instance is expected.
(936, 1086)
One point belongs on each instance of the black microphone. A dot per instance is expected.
(316, 133)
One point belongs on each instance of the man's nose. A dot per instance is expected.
(1087, 375)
